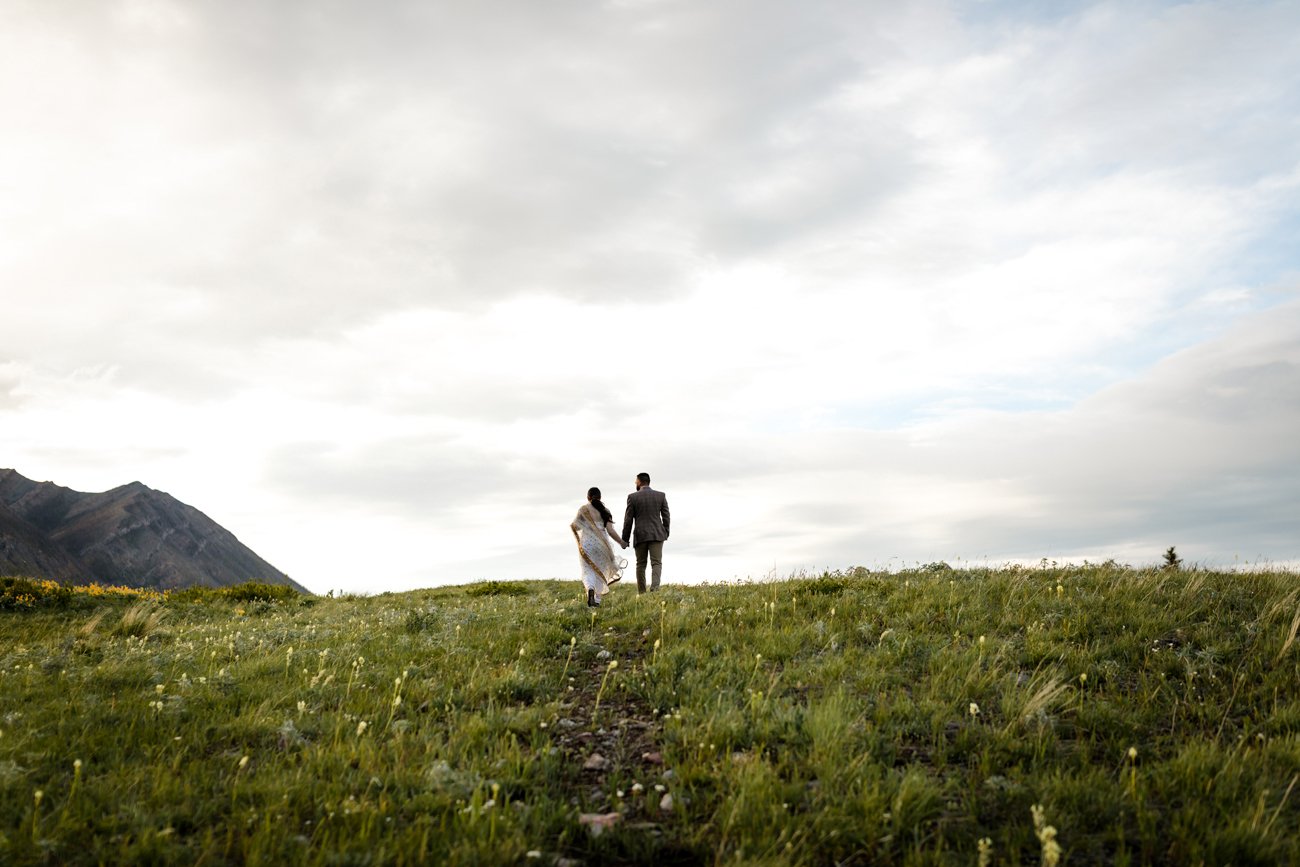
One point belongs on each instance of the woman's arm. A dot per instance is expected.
(613, 534)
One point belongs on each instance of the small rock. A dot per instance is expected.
(655, 758)
(595, 762)
(604, 654)
(599, 823)
(666, 802)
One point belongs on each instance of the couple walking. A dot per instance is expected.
(647, 512)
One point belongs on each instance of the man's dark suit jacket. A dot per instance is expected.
(648, 509)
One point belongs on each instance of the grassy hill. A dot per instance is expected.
(1018, 716)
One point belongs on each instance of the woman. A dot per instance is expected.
(600, 568)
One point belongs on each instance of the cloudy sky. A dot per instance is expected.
(383, 288)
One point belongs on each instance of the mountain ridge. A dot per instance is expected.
(131, 535)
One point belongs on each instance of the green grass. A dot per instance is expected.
(852, 718)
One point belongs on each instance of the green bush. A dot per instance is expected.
(258, 591)
(193, 594)
(25, 594)
(498, 588)
(420, 621)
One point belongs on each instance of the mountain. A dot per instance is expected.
(132, 535)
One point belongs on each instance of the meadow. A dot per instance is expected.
(1087, 715)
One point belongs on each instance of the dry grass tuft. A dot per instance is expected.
(87, 629)
(1044, 692)
(140, 620)
(1290, 638)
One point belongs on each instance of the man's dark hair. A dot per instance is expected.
(643, 478)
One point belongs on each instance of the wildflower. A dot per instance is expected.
(981, 641)
(1132, 754)
(974, 709)
(158, 689)
(637, 788)
(361, 728)
(302, 707)
(1046, 835)
(1083, 678)
(76, 766)
(985, 851)
(39, 795)
(243, 763)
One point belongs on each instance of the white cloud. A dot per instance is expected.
(856, 282)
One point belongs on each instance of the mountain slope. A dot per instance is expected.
(25, 550)
(131, 535)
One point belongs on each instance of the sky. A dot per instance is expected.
(384, 288)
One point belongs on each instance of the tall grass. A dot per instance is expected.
(937, 716)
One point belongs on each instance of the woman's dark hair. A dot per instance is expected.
(606, 515)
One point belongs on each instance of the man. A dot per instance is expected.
(647, 509)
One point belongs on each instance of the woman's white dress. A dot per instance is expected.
(600, 565)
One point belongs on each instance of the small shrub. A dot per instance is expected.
(825, 585)
(193, 594)
(420, 621)
(26, 594)
(258, 591)
(497, 588)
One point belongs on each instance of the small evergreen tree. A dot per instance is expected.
(1172, 560)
